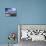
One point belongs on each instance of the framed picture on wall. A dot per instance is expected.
(10, 11)
(33, 32)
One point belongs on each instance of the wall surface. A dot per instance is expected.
(28, 12)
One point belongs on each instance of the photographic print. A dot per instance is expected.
(10, 11)
(29, 34)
